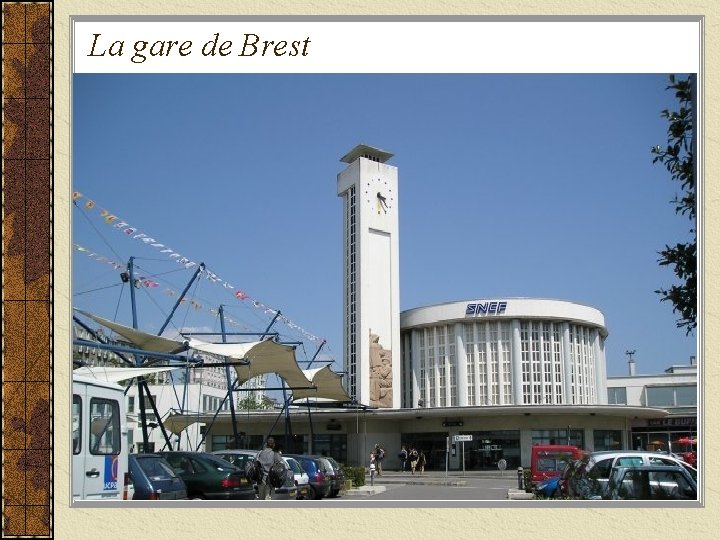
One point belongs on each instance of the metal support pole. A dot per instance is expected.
(138, 359)
(229, 382)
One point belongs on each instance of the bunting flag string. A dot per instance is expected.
(114, 221)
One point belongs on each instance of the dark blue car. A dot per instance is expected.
(318, 475)
(153, 478)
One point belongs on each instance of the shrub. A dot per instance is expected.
(356, 474)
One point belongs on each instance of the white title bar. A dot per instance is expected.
(569, 46)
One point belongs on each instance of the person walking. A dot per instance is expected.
(421, 462)
(267, 458)
(413, 460)
(403, 455)
(379, 456)
(372, 468)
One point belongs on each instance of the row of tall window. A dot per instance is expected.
(438, 367)
(542, 363)
(488, 363)
(350, 253)
(547, 358)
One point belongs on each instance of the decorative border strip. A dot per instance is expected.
(27, 286)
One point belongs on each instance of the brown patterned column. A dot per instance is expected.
(27, 270)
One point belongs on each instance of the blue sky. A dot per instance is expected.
(509, 186)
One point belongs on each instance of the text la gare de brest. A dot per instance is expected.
(251, 45)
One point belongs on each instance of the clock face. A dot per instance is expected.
(379, 193)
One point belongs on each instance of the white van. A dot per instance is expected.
(99, 439)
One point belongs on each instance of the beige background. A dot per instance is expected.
(538, 520)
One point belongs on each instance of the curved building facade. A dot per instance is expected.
(503, 351)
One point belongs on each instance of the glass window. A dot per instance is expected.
(606, 439)
(76, 423)
(104, 426)
(660, 396)
(628, 461)
(617, 396)
(686, 396)
(559, 436)
(601, 469)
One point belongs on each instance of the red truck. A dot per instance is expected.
(548, 460)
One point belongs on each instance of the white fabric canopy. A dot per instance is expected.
(142, 340)
(264, 356)
(111, 374)
(328, 385)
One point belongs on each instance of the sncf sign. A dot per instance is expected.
(486, 308)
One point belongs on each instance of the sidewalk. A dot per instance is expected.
(438, 477)
(433, 478)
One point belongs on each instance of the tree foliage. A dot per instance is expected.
(679, 160)
(250, 403)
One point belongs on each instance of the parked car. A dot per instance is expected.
(651, 482)
(320, 484)
(302, 481)
(548, 460)
(337, 479)
(153, 478)
(588, 478)
(240, 458)
(600, 464)
(207, 476)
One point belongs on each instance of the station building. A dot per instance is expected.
(509, 372)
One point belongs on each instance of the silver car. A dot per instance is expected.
(600, 464)
(651, 482)
(302, 480)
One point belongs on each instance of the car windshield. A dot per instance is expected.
(218, 463)
(294, 465)
(155, 468)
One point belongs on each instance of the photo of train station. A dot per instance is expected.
(510, 372)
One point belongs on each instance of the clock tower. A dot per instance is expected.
(371, 295)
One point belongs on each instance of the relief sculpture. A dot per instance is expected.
(380, 374)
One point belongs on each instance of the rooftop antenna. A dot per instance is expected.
(631, 362)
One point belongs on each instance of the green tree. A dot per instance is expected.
(250, 403)
(679, 160)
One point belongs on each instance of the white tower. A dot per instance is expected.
(371, 305)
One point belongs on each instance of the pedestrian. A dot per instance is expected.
(402, 455)
(372, 467)
(413, 459)
(379, 456)
(421, 462)
(267, 458)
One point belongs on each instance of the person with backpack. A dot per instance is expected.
(402, 456)
(268, 459)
